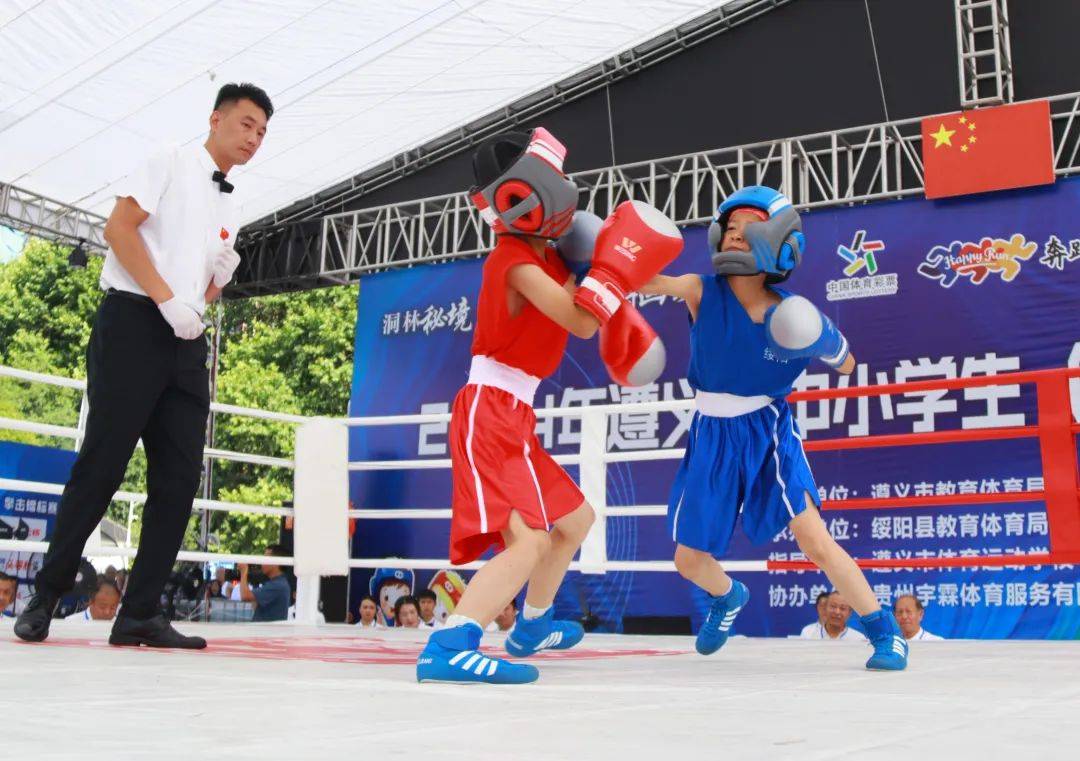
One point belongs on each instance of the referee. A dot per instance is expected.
(170, 236)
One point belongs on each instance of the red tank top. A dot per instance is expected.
(530, 341)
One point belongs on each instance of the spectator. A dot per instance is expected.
(369, 608)
(103, 603)
(8, 587)
(837, 613)
(121, 581)
(808, 631)
(272, 598)
(110, 574)
(234, 591)
(504, 622)
(427, 601)
(213, 590)
(407, 612)
(909, 614)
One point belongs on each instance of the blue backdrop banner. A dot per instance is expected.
(923, 290)
(28, 515)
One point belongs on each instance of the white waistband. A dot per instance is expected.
(728, 405)
(485, 371)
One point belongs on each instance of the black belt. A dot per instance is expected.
(131, 296)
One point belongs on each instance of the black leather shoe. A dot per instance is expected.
(151, 632)
(32, 624)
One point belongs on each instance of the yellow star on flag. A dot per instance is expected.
(971, 125)
(963, 120)
(963, 149)
(943, 136)
(972, 139)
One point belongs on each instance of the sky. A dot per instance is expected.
(11, 243)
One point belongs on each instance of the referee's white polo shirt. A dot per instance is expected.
(189, 219)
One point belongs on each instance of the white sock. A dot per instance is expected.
(531, 612)
(454, 620)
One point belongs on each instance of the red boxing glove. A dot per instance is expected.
(635, 243)
(632, 352)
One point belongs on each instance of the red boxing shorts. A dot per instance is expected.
(499, 466)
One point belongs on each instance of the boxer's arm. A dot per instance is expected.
(849, 365)
(552, 299)
(212, 293)
(122, 235)
(685, 287)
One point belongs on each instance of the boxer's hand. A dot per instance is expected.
(796, 329)
(576, 247)
(632, 352)
(634, 243)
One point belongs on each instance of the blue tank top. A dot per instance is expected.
(728, 352)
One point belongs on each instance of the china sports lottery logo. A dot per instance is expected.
(977, 261)
(862, 276)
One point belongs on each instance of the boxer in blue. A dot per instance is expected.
(749, 341)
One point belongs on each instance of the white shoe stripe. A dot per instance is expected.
(459, 656)
(481, 666)
(469, 663)
(492, 666)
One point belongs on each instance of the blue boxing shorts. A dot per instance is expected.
(751, 465)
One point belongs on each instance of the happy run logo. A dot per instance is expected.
(976, 261)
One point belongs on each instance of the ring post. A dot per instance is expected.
(321, 502)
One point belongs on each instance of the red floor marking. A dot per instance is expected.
(352, 650)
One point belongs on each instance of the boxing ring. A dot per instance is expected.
(331, 689)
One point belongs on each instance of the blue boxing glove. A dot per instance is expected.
(576, 246)
(795, 329)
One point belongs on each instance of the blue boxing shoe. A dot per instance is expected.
(890, 647)
(452, 655)
(714, 632)
(544, 633)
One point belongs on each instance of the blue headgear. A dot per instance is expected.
(382, 575)
(776, 244)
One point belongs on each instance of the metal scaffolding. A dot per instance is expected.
(730, 14)
(984, 57)
(37, 215)
(846, 166)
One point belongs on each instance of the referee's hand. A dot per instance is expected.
(185, 321)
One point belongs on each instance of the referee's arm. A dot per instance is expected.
(122, 235)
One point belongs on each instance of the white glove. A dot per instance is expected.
(224, 264)
(185, 321)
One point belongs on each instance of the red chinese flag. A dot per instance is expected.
(988, 149)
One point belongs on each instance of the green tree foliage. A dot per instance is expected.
(287, 353)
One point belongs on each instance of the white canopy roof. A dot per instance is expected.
(90, 88)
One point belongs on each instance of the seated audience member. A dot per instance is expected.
(837, 613)
(103, 603)
(9, 585)
(222, 581)
(427, 601)
(272, 598)
(504, 622)
(121, 581)
(909, 614)
(819, 605)
(407, 612)
(368, 609)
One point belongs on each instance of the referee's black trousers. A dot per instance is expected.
(142, 382)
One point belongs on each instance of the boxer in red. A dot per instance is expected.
(509, 492)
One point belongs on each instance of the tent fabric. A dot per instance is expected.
(90, 88)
